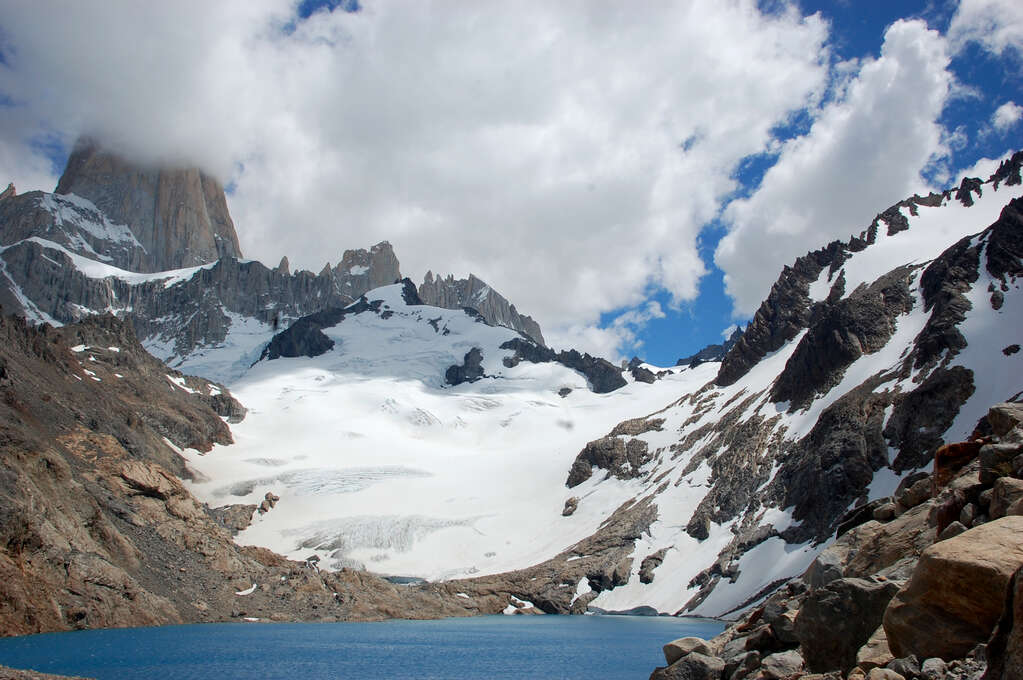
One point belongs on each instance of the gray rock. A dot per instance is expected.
(952, 530)
(676, 649)
(916, 494)
(996, 461)
(933, 669)
(824, 569)
(570, 506)
(838, 619)
(782, 664)
(1005, 493)
(693, 666)
(1004, 417)
(742, 664)
(907, 666)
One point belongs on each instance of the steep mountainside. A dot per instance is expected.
(96, 528)
(865, 356)
(179, 216)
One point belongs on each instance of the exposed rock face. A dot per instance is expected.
(452, 293)
(470, 370)
(8, 192)
(363, 270)
(179, 216)
(602, 374)
(957, 592)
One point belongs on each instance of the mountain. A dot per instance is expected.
(158, 247)
(179, 216)
(97, 528)
(427, 433)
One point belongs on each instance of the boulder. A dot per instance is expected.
(676, 649)
(916, 494)
(996, 461)
(570, 506)
(933, 669)
(955, 596)
(1007, 491)
(875, 653)
(1005, 649)
(838, 619)
(746, 663)
(782, 664)
(907, 667)
(693, 666)
(1004, 417)
(884, 674)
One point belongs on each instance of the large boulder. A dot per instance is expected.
(694, 666)
(676, 649)
(1005, 650)
(956, 594)
(838, 619)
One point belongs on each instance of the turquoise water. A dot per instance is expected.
(488, 647)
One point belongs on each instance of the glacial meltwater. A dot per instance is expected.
(488, 647)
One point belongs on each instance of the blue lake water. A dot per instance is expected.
(488, 647)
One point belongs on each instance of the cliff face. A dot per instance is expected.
(473, 292)
(178, 215)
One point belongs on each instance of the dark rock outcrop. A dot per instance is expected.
(470, 370)
(602, 374)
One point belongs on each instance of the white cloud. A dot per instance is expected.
(864, 151)
(1006, 116)
(996, 24)
(537, 144)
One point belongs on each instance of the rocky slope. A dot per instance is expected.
(920, 585)
(863, 359)
(96, 527)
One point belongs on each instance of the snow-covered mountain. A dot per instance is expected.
(415, 440)
(862, 360)
(381, 463)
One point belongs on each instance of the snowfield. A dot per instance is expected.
(379, 464)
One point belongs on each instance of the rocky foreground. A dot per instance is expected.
(96, 528)
(927, 584)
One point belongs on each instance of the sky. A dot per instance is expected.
(632, 175)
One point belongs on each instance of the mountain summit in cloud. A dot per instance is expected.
(178, 215)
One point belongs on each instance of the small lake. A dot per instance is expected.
(488, 647)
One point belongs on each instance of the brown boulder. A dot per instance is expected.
(955, 596)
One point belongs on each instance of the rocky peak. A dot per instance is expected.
(8, 192)
(284, 267)
(361, 270)
(475, 293)
(179, 215)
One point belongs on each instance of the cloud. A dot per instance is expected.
(568, 153)
(864, 151)
(997, 25)
(1006, 116)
